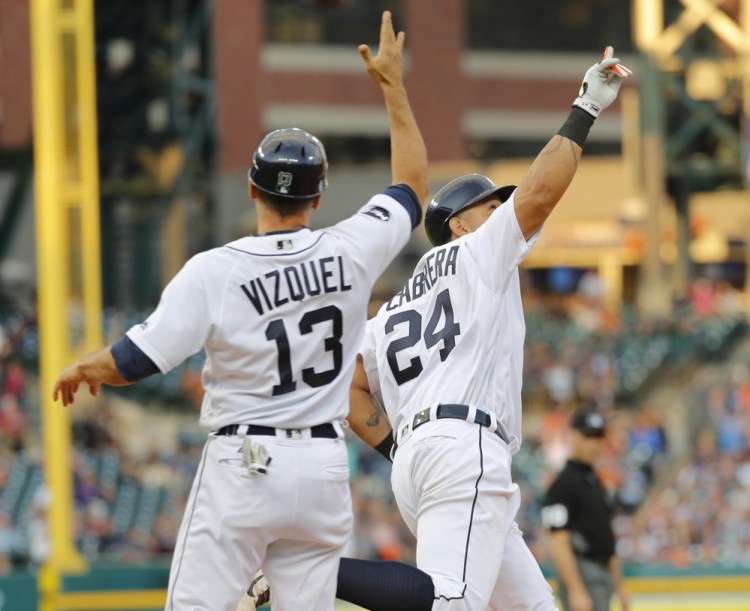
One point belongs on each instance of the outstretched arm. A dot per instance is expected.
(120, 364)
(94, 369)
(552, 171)
(408, 152)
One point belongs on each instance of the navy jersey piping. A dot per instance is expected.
(276, 254)
(471, 520)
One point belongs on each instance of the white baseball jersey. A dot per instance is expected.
(454, 334)
(455, 331)
(281, 317)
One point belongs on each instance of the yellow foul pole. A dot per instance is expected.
(67, 237)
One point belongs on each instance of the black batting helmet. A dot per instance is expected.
(457, 195)
(290, 163)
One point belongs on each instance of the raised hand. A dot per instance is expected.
(601, 83)
(386, 68)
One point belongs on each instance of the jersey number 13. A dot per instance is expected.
(276, 331)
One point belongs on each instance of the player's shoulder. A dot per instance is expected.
(399, 197)
(498, 246)
(208, 263)
(396, 205)
(210, 256)
(505, 216)
(444, 260)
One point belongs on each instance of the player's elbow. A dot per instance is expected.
(533, 205)
(419, 182)
(422, 188)
(412, 169)
(541, 195)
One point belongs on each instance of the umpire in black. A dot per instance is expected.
(578, 514)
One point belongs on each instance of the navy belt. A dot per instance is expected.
(458, 412)
(326, 430)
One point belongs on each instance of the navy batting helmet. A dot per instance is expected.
(290, 163)
(458, 195)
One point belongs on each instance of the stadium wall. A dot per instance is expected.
(119, 587)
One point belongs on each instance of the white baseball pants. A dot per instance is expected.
(294, 520)
(452, 482)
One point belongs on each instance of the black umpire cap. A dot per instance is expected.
(590, 423)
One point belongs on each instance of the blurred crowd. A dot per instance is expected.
(699, 513)
(674, 508)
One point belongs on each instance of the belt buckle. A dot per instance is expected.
(293, 433)
(420, 418)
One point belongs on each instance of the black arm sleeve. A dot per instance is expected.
(131, 362)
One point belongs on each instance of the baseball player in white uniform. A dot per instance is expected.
(281, 317)
(446, 353)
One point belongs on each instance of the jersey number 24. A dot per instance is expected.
(432, 335)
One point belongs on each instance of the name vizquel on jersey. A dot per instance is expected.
(436, 265)
(296, 282)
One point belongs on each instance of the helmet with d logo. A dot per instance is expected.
(291, 163)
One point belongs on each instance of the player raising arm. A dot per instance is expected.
(281, 317)
(446, 352)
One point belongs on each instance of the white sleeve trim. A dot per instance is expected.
(147, 349)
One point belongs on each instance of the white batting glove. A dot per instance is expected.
(247, 603)
(601, 83)
(257, 595)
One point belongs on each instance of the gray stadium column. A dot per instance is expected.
(434, 78)
(238, 41)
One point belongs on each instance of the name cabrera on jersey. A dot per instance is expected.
(455, 331)
(280, 316)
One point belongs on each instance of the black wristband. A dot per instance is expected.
(384, 447)
(576, 126)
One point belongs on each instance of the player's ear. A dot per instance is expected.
(316, 202)
(252, 191)
(457, 227)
